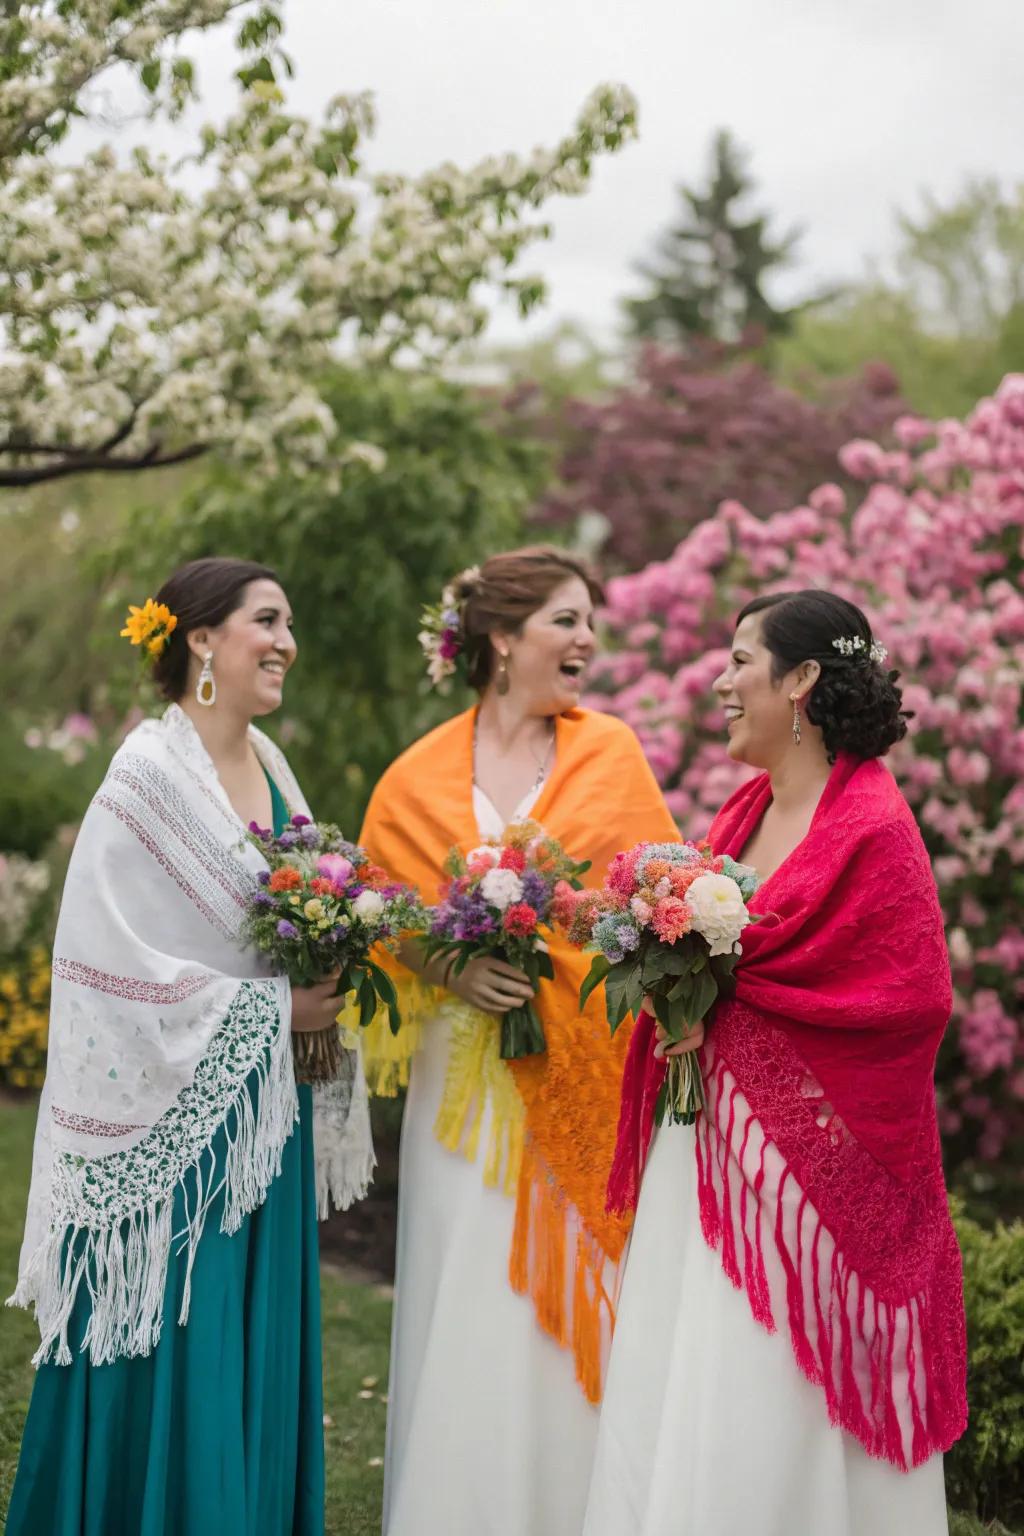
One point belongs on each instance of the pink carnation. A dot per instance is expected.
(671, 919)
(520, 920)
(621, 878)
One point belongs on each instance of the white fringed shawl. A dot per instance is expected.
(158, 1016)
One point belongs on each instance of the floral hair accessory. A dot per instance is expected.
(441, 637)
(152, 626)
(852, 645)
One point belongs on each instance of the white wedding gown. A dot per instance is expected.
(708, 1426)
(488, 1432)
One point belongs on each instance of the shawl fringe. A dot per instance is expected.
(123, 1263)
(386, 1056)
(887, 1368)
(562, 1270)
(476, 1074)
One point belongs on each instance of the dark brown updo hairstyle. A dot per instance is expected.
(855, 702)
(201, 594)
(508, 588)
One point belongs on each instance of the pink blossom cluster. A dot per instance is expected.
(933, 550)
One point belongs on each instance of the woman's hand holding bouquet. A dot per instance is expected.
(667, 927)
(317, 912)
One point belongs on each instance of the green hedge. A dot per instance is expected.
(985, 1469)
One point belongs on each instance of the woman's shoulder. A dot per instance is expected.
(875, 812)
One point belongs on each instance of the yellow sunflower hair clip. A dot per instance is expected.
(152, 625)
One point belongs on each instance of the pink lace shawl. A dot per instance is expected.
(818, 1156)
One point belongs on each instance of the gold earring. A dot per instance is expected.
(502, 683)
(796, 717)
(206, 687)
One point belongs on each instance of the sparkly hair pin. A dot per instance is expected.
(150, 626)
(441, 636)
(854, 645)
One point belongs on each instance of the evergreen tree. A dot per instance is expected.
(713, 264)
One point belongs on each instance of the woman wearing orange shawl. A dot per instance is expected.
(505, 1270)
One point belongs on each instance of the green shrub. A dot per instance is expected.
(985, 1469)
(357, 559)
(40, 792)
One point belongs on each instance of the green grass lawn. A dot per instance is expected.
(356, 1322)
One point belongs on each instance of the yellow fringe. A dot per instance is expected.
(475, 1074)
(386, 1057)
(568, 1294)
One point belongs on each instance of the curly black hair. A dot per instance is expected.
(855, 702)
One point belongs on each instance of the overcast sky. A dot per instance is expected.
(849, 109)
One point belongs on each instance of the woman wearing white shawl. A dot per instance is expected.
(170, 1248)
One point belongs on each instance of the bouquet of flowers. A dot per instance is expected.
(495, 902)
(667, 924)
(319, 908)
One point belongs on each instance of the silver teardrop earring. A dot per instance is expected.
(796, 717)
(206, 687)
(502, 683)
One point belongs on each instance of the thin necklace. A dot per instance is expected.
(542, 762)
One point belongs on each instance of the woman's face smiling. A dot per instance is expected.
(758, 708)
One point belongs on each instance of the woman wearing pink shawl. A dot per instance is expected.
(790, 1352)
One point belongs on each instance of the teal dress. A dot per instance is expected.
(219, 1431)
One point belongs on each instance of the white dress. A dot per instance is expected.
(488, 1432)
(708, 1426)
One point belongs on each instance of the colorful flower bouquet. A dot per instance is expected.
(495, 902)
(667, 924)
(318, 909)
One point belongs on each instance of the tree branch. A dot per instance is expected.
(84, 461)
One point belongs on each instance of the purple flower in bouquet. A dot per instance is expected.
(495, 901)
(317, 914)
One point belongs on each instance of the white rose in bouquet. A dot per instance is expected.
(368, 907)
(719, 912)
(501, 887)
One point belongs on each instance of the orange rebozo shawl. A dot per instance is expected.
(600, 797)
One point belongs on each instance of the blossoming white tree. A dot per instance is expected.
(151, 312)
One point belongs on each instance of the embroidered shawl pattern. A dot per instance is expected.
(158, 1017)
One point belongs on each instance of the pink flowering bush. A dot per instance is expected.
(933, 550)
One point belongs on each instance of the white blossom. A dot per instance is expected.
(143, 321)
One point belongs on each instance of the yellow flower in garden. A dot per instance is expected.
(24, 1019)
(314, 909)
(151, 625)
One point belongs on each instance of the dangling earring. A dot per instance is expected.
(796, 717)
(502, 683)
(206, 688)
